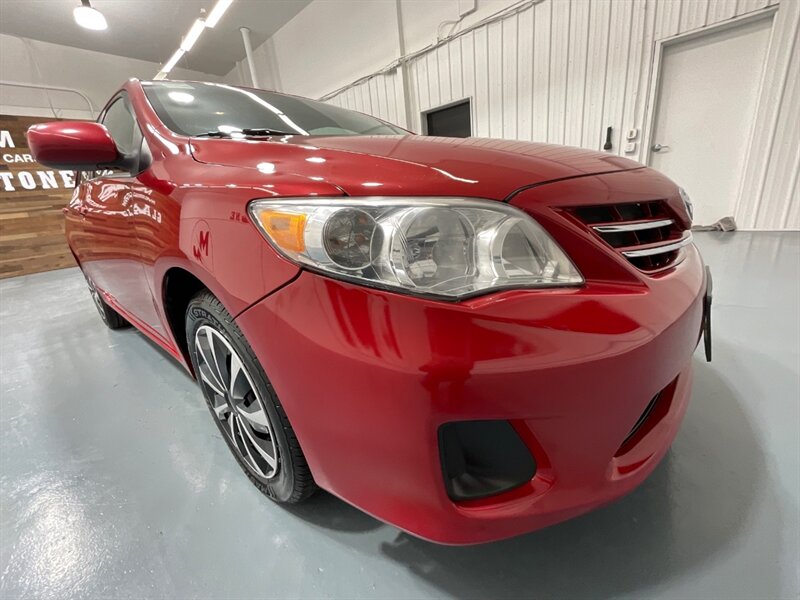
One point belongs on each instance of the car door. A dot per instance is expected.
(109, 253)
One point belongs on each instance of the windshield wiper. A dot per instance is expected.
(211, 134)
(247, 131)
(265, 131)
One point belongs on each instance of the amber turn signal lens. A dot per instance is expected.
(286, 229)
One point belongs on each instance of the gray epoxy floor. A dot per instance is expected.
(115, 483)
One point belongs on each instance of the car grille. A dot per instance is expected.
(646, 233)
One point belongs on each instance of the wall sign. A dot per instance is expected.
(31, 199)
(28, 175)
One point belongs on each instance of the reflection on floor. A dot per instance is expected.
(116, 484)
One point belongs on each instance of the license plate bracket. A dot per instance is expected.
(706, 326)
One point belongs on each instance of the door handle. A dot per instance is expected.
(658, 147)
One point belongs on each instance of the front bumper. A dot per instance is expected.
(367, 377)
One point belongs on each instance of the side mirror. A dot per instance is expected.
(74, 145)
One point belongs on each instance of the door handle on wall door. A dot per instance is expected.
(658, 147)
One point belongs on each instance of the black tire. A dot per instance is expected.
(111, 318)
(291, 481)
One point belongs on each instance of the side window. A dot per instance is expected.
(122, 126)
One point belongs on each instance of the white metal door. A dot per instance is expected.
(706, 103)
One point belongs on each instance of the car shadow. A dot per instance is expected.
(326, 511)
(693, 506)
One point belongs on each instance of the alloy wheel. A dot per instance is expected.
(236, 402)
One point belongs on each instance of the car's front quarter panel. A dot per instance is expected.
(214, 238)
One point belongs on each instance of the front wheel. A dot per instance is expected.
(244, 404)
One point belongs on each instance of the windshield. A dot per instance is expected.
(217, 109)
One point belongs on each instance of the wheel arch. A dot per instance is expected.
(178, 287)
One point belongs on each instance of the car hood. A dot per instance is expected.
(411, 164)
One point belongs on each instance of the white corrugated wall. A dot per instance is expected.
(561, 71)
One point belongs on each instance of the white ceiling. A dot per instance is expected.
(151, 29)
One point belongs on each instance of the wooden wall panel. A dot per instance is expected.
(31, 199)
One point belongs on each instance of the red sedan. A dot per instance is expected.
(467, 338)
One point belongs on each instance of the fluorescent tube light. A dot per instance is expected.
(216, 13)
(173, 61)
(194, 33)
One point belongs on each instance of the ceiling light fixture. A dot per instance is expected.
(216, 13)
(193, 35)
(88, 17)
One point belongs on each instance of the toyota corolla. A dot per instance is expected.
(466, 338)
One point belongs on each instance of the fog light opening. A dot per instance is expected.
(483, 458)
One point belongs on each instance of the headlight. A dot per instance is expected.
(430, 246)
(687, 202)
